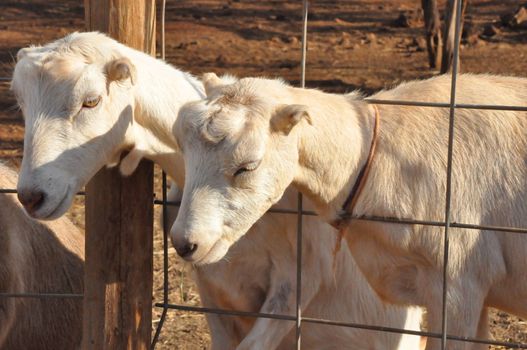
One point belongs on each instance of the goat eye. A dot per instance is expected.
(91, 102)
(247, 167)
(240, 171)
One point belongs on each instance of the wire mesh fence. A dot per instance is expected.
(299, 318)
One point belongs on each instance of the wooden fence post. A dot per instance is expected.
(119, 214)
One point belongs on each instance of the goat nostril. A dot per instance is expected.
(40, 199)
(186, 250)
(31, 200)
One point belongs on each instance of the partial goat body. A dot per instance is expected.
(259, 275)
(319, 142)
(489, 183)
(38, 258)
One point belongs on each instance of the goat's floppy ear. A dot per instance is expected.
(121, 69)
(287, 116)
(210, 82)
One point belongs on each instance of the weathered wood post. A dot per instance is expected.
(119, 214)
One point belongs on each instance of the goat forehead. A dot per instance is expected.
(90, 47)
(31, 74)
(233, 127)
(73, 50)
(245, 146)
(230, 121)
(250, 146)
(236, 97)
(63, 68)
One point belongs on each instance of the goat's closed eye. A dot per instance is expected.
(91, 102)
(250, 166)
(240, 171)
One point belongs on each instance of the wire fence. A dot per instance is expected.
(299, 319)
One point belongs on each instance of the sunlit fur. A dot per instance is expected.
(259, 275)
(322, 156)
(156, 96)
(65, 144)
(38, 258)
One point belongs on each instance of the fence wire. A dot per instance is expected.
(300, 212)
(448, 194)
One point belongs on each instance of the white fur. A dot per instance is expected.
(156, 97)
(38, 258)
(65, 144)
(319, 141)
(259, 275)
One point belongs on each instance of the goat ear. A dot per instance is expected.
(121, 69)
(287, 116)
(210, 82)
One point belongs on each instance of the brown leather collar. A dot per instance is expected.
(349, 205)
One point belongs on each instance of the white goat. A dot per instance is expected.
(259, 275)
(248, 141)
(86, 99)
(38, 258)
(108, 98)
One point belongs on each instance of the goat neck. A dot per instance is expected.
(333, 150)
(160, 92)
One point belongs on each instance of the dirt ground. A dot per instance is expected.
(352, 45)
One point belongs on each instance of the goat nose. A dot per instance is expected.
(186, 250)
(31, 200)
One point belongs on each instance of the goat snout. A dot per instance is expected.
(31, 199)
(186, 249)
